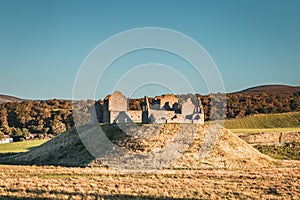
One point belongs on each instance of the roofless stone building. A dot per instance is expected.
(164, 109)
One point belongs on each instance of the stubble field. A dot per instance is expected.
(47, 182)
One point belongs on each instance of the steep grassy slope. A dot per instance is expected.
(229, 152)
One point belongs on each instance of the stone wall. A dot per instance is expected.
(125, 116)
(117, 102)
(272, 137)
(259, 138)
(290, 137)
(187, 108)
(160, 116)
(135, 115)
(166, 102)
(176, 119)
(119, 117)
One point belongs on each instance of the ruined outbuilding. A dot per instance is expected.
(163, 109)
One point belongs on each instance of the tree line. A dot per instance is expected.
(51, 117)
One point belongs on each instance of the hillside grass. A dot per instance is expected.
(16, 147)
(267, 122)
(289, 151)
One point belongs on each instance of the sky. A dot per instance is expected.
(43, 43)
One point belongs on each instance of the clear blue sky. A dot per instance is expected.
(44, 42)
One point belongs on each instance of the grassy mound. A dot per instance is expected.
(229, 151)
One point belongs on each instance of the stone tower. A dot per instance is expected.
(145, 111)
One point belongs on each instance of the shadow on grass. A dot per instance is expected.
(106, 197)
(31, 148)
(113, 197)
(58, 194)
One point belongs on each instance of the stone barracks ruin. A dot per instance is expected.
(163, 109)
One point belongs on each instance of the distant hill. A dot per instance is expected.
(7, 98)
(272, 89)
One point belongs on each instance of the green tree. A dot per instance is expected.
(17, 132)
(2, 136)
(57, 127)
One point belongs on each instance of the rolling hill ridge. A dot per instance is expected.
(7, 98)
(272, 89)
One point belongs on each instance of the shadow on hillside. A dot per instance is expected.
(67, 149)
(4, 155)
(69, 160)
(64, 150)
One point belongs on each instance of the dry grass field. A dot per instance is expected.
(233, 169)
(47, 182)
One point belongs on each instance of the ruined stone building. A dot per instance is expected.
(115, 110)
(163, 109)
